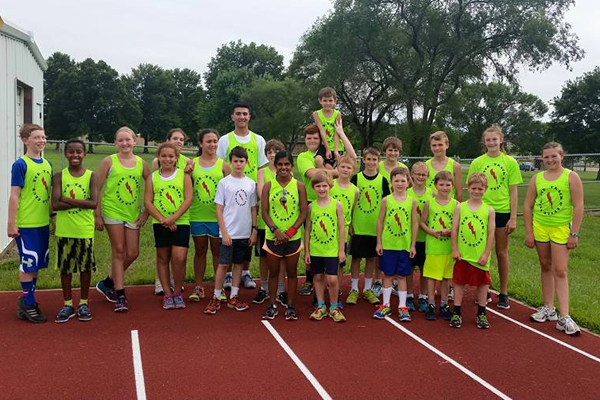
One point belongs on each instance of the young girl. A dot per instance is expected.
(553, 213)
(120, 211)
(208, 171)
(439, 144)
(503, 176)
(168, 197)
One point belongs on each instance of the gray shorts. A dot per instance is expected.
(114, 221)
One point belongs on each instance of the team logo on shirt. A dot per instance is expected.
(323, 229)
(282, 206)
(550, 200)
(75, 191)
(496, 175)
(241, 197)
(369, 199)
(168, 199)
(346, 203)
(205, 188)
(441, 220)
(472, 230)
(128, 190)
(42, 181)
(250, 168)
(398, 221)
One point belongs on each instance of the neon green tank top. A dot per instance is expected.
(439, 217)
(472, 234)
(205, 180)
(324, 235)
(122, 198)
(34, 199)
(284, 207)
(169, 195)
(251, 170)
(553, 204)
(502, 172)
(421, 200)
(305, 162)
(432, 172)
(346, 197)
(386, 174)
(397, 234)
(75, 222)
(268, 177)
(368, 205)
(328, 125)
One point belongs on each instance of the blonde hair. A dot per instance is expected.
(392, 141)
(321, 176)
(477, 177)
(493, 129)
(126, 129)
(420, 165)
(439, 135)
(554, 145)
(347, 159)
(444, 176)
(26, 130)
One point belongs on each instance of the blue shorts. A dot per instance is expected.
(327, 265)
(395, 262)
(205, 229)
(33, 248)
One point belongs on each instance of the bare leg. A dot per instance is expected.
(85, 277)
(547, 275)
(503, 261)
(116, 235)
(319, 281)
(178, 256)
(163, 257)
(291, 268)
(334, 287)
(560, 261)
(65, 282)
(459, 291)
(274, 267)
(201, 250)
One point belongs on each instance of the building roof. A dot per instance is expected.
(14, 31)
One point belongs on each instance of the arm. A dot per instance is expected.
(280, 237)
(224, 234)
(254, 234)
(188, 191)
(528, 213)
(351, 227)
(576, 188)
(307, 228)
(189, 165)
(382, 211)
(339, 129)
(414, 224)
(323, 134)
(227, 169)
(102, 175)
(303, 205)
(259, 186)
(423, 222)
(149, 202)
(13, 205)
(511, 225)
(342, 231)
(458, 181)
(57, 204)
(90, 203)
(454, 236)
(490, 239)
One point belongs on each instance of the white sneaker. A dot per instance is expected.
(451, 293)
(158, 289)
(228, 282)
(566, 324)
(544, 314)
(247, 281)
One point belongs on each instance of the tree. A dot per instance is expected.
(58, 81)
(189, 92)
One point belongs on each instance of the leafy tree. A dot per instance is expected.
(58, 79)
(189, 92)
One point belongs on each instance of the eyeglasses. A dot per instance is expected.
(284, 193)
(421, 175)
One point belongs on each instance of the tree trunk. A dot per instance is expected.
(146, 143)
(90, 148)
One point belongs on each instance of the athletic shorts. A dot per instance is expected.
(502, 219)
(327, 265)
(395, 262)
(205, 229)
(33, 248)
(163, 237)
(115, 221)
(75, 255)
(419, 259)
(467, 274)
(286, 249)
(237, 253)
(259, 251)
(438, 266)
(556, 234)
(363, 246)
(321, 152)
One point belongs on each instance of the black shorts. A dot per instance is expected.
(258, 248)
(502, 219)
(327, 265)
(237, 253)
(363, 246)
(321, 152)
(419, 259)
(163, 237)
(289, 248)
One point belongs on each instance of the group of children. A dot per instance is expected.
(397, 220)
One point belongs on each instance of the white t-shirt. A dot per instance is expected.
(223, 147)
(237, 196)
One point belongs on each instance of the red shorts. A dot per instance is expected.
(467, 274)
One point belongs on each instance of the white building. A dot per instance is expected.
(21, 101)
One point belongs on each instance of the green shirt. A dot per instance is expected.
(421, 200)
(305, 162)
(553, 203)
(34, 199)
(438, 218)
(346, 197)
(397, 233)
(122, 195)
(432, 172)
(284, 207)
(75, 222)
(205, 180)
(251, 169)
(502, 172)
(169, 195)
(364, 220)
(268, 177)
(473, 233)
(386, 174)
(324, 234)
(329, 127)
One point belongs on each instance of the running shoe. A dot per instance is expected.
(213, 306)
(430, 313)
(235, 303)
(482, 322)
(158, 289)
(503, 302)
(197, 294)
(451, 293)
(352, 297)
(319, 313)
(369, 296)
(228, 282)
(377, 287)
(83, 313)
(395, 289)
(31, 313)
(382, 312)
(566, 324)
(445, 312)
(291, 314)
(410, 303)
(270, 312)
(178, 300)
(168, 303)
(306, 289)
(107, 292)
(247, 281)
(422, 304)
(456, 321)
(65, 314)
(403, 314)
(282, 298)
(260, 297)
(544, 314)
(336, 315)
(121, 306)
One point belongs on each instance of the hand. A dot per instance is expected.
(336, 155)
(98, 221)
(437, 234)
(307, 259)
(328, 154)
(172, 227)
(379, 249)
(226, 239)
(446, 232)
(456, 255)
(483, 259)
(141, 221)
(338, 126)
(319, 162)
(167, 221)
(572, 243)
(529, 240)
(350, 230)
(341, 256)
(13, 231)
(281, 237)
(413, 251)
(189, 167)
(511, 225)
(253, 238)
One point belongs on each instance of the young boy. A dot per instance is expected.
(324, 245)
(473, 228)
(373, 187)
(74, 198)
(236, 215)
(29, 216)
(397, 229)
(436, 221)
(439, 144)
(325, 119)
(422, 194)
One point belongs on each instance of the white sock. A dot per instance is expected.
(368, 283)
(234, 291)
(422, 296)
(245, 272)
(218, 293)
(354, 283)
(387, 294)
(402, 295)
(410, 296)
(228, 274)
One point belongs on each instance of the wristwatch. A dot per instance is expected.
(574, 235)
(273, 228)
(254, 227)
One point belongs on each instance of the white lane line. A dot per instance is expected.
(140, 387)
(558, 341)
(311, 378)
(463, 369)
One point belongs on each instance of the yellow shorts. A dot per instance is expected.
(438, 266)
(557, 234)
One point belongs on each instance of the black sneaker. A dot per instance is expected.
(65, 314)
(122, 306)
(282, 298)
(261, 296)
(31, 313)
(410, 303)
(430, 313)
(291, 314)
(445, 312)
(271, 312)
(503, 302)
(84, 313)
(482, 322)
(456, 321)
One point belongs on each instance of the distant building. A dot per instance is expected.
(22, 69)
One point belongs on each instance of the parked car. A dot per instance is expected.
(525, 166)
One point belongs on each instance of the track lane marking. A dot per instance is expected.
(558, 341)
(311, 378)
(140, 387)
(463, 369)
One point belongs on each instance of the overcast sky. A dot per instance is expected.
(187, 33)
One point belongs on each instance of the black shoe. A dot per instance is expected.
(261, 296)
(503, 302)
(445, 312)
(84, 313)
(282, 298)
(291, 314)
(430, 313)
(31, 313)
(271, 312)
